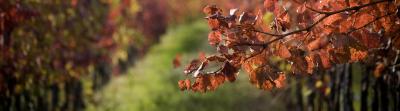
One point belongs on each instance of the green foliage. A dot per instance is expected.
(151, 85)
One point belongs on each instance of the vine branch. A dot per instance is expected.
(325, 15)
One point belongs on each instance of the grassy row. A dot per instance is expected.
(152, 84)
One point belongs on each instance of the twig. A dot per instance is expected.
(365, 25)
(325, 15)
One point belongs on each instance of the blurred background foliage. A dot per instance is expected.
(100, 55)
(151, 85)
(59, 54)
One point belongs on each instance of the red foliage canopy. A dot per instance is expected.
(303, 37)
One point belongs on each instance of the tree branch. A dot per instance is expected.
(365, 25)
(325, 15)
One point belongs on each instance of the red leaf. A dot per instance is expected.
(378, 70)
(367, 39)
(216, 80)
(213, 23)
(280, 81)
(363, 19)
(177, 61)
(182, 85)
(345, 25)
(211, 9)
(318, 43)
(310, 64)
(325, 59)
(270, 5)
(283, 52)
(230, 72)
(214, 38)
(357, 55)
(333, 19)
(201, 84)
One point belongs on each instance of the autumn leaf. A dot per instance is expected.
(270, 5)
(194, 64)
(229, 71)
(283, 52)
(367, 38)
(214, 38)
(305, 36)
(332, 20)
(280, 81)
(378, 70)
(325, 59)
(211, 9)
(317, 43)
(181, 85)
(357, 55)
(213, 23)
(363, 19)
(177, 61)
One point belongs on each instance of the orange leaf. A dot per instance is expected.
(214, 38)
(201, 84)
(177, 61)
(270, 5)
(318, 43)
(378, 70)
(267, 85)
(280, 81)
(333, 19)
(345, 25)
(230, 72)
(357, 55)
(182, 85)
(310, 64)
(283, 52)
(211, 9)
(363, 19)
(325, 59)
(213, 23)
(202, 56)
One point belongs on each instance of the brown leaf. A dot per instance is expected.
(270, 5)
(214, 24)
(222, 49)
(194, 64)
(182, 85)
(187, 83)
(283, 52)
(211, 9)
(247, 18)
(299, 65)
(216, 80)
(367, 38)
(280, 81)
(177, 61)
(201, 84)
(230, 72)
(310, 64)
(202, 56)
(267, 85)
(325, 59)
(345, 25)
(363, 19)
(216, 58)
(317, 43)
(333, 19)
(378, 70)
(357, 55)
(214, 38)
